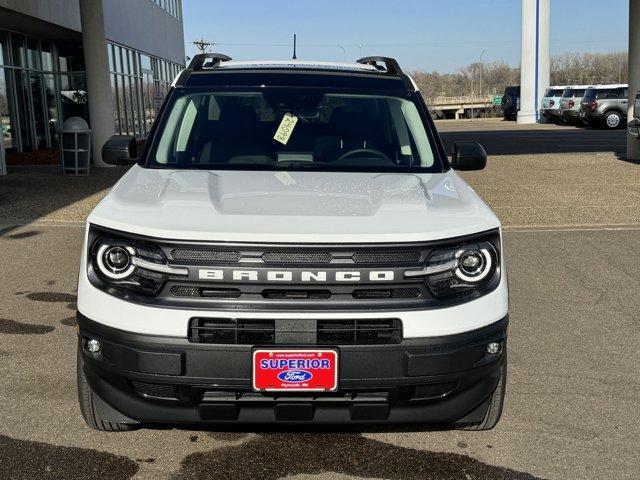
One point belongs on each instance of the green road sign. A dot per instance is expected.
(497, 100)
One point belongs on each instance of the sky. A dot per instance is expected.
(431, 35)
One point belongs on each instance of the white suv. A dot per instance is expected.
(550, 103)
(292, 245)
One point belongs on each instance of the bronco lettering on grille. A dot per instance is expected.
(302, 276)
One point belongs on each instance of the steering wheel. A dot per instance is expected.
(357, 151)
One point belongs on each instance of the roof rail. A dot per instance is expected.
(389, 66)
(384, 64)
(200, 60)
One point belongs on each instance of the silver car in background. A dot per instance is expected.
(570, 104)
(605, 106)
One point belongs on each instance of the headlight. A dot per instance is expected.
(115, 261)
(127, 265)
(461, 269)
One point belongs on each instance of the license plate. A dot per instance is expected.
(295, 370)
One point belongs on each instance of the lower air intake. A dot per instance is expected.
(359, 332)
(231, 331)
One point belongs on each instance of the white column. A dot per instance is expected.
(633, 144)
(96, 61)
(535, 59)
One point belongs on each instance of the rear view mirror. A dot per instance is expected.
(120, 150)
(468, 156)
(633, 127)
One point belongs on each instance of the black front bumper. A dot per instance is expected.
(170, 380)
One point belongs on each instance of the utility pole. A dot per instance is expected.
(202, 44)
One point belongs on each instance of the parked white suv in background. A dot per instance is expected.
(292, 245)
(550, 103)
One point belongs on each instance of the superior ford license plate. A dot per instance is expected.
(295, 370)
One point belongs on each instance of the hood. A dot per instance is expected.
(292, 207)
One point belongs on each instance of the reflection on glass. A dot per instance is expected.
(73, 96)
(52, 108)
(47, 56)
(37, 96)
(6, 124)
(70, 57)
(33, 54)
(17, 45)
(5, 58)
(116, 114)
(145, 62)
(24, 115)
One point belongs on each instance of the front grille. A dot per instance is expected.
(231, 331)
(185, 291)
(296, 294)
(193, 291)
(224, 256)
(359, 332)
(296, 257)
(265, 331)
(363, 294)
(386, 257)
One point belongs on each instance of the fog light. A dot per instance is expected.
(93, 345)
(494, 348)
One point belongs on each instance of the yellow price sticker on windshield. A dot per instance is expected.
(285, 129)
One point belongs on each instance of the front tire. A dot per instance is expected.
(494, 409)
(612, 120)
(88, 407)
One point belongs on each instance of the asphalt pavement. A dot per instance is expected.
(572, 410)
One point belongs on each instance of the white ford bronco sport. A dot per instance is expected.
(292, 245)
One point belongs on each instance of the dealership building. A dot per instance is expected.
(108, 61)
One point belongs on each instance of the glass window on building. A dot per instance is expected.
(33, 54)
(47, 55)
(42, 83)
(9, 134)
(5, 55)
(52, 116)
(23, 110)
(73, 96)
(40, 122)
(18, 50)
(70, 57)
(138, 82)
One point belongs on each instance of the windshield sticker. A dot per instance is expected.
(285, 129)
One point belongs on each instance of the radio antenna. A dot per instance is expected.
(294, 47)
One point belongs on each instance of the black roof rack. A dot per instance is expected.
(384, 64)
(388, 66)
(211, 60)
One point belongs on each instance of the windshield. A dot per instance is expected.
(553, 93)
(568, 93)
(277, 128)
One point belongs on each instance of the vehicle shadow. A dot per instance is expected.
(271, 453)
(532, 141)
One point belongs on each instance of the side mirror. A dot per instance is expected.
(120, 150)
(633, 127)
(468, 156)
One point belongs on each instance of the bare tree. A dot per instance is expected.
(566, 69)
